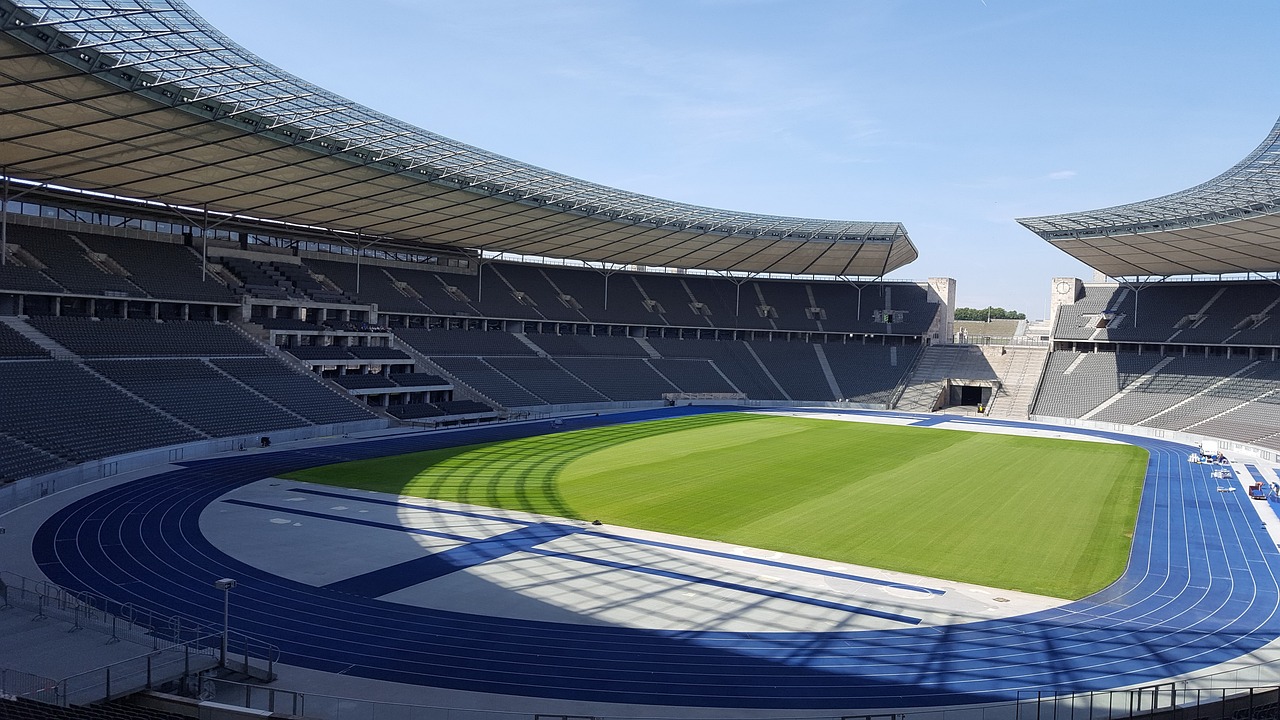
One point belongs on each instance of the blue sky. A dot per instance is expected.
(951, 116)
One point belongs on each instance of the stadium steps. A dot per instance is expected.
(43, 341)
(108, 381)
(1019, 370)
(1190, 428)
(1203, 313)
(920, 397)
(937, 365)
(1113, 306)
(643, 343)
(299, 366)
(1265, 312)
(301, 420)
(664, 376)
(532, 345)
(826, 370)
(469, 392)
(764, 302)
(813, 303)
(765, 369)
(561, 294)
(1202, 393)
(1127, 389)
(693, 299)
(658, 308)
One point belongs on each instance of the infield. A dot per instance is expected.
(1044, 516)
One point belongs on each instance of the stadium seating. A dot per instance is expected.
(1075, 383)
(198, 395)
(19, 459)
(14, 345)
(163, 270)
(373, 352)
(375, 285)
(287, 323)
(796, 367)
(731, 357)
(364, 381)
(1237, 313)
(88, 337)
(442, 294)
(533, 282)
(302, 395)
(26, 279)
(320, 352)
(587, 346)
(65, 410)
(619, 379)
(1231, 398)
(481, 376)
(415, 411)
(1163, 387)
(416, 379)
(546, 379)
(692, 375)
(464, 407)
(868, 373)
(462, 342)
(68, 263)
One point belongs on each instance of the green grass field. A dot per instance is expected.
(1045, 516)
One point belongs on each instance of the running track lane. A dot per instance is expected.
(1200, 589)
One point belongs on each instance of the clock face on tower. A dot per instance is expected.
(1064, 286)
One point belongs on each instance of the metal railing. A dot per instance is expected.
(179, 646)
(142, 672)
(1169, 701)
(19, 684)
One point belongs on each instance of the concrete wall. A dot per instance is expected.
(26, 490)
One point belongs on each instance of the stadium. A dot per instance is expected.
(308, 411)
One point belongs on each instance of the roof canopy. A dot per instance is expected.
(1229, 224)
(144, 99)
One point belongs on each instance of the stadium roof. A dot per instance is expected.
(144, 99)
(1229, 224)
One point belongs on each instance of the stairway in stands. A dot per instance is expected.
(44, 342)
(924, 388)
(1019, 369)
(1016, 371)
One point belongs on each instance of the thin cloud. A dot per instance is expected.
(1062, 175)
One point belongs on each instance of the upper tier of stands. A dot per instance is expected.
(80, 262)
(89, 264)
(1212, 313)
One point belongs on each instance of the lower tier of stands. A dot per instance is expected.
(1235, 398)
(518, 371)
(55, 413)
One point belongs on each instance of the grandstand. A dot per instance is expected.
(292, 312)
(275, 262)
(1170, 343)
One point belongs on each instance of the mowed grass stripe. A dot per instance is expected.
(1053, 517)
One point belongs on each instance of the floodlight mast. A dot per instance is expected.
(225, 585)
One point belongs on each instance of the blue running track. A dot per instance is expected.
(1201, 588)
